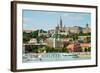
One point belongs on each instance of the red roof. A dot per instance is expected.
(85, 45)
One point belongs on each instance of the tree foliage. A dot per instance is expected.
(26, 37)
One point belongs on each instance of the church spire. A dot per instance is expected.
(60, 22)
(87, 25)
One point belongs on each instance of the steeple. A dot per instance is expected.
(87, 25)
(60, 22)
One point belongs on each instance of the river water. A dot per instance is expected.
(33, 57)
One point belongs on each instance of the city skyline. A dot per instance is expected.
(50, 19)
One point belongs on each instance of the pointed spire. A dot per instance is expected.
(87, 25)
(60, 22)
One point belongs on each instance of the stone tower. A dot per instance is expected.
(60, 22)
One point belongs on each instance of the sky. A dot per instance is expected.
(46, 20)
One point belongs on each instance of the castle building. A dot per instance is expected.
(62, 29)
(86, 29)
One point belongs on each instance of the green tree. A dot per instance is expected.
(65, 50)
(34, 34)
(26, 37)
(75, 37)
(89, 49)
